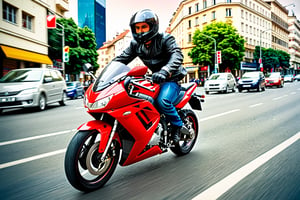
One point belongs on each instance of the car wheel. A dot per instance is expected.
(240, 90)
(63, 99)
(206, 92)
(42, 102)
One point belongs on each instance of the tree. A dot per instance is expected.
(272, 58)
(82, 45)
(228, 41)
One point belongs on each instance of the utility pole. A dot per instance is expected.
(215, 57)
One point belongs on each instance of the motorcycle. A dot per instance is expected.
(122, 102)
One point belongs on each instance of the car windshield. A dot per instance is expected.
(250, 75)
(217, 77)
(70, 84)
(274, 75)
(110, 74)
(22, 76)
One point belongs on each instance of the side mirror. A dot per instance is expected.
(87, 67)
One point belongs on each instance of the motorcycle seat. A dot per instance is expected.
(184, 87)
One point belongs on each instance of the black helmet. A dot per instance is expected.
(149, 17)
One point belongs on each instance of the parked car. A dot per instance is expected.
(289, 78)
(74, 90)
(274, 79)
(252, 80)
(297, 77)
(220, 82)
(32, 87)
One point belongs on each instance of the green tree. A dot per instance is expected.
(228, 41)
(272, 58)
(82, 45)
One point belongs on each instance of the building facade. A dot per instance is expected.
(294, 44)
(91, 13)
(23, 32)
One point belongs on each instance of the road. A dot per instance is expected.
(248, 149)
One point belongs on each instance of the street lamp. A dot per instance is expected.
(260, 60)
(63, 45)
(215, 47)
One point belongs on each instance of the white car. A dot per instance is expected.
(32, 87)
(220, 82)
(288, 78)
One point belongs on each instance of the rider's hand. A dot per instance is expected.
(160, 76)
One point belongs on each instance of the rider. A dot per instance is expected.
(163, 57)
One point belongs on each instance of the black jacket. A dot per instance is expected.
(163, 53)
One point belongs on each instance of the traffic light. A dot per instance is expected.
(219, 57)
(66, 54)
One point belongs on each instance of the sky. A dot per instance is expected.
(119, 12)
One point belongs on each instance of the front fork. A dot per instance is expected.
(111, 136)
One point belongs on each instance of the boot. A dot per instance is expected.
(175, 134)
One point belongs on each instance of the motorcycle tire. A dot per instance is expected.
(190, 120)
(83, 167)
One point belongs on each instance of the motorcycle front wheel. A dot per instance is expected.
(83, 166)
(190, 121)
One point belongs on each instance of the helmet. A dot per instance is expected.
(149, 17)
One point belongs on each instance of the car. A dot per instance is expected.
(252, 80)
(74, 90)
(274, 79)
(289, 78)
(297, 77)
(220, 82)
(32, 87)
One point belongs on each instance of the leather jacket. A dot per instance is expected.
(163, 53)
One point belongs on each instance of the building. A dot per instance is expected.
(252, 19)
(23, 32)
(294, 44)
(91, 13)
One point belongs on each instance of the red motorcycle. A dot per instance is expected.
(122, 101)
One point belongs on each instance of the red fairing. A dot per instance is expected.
(187, 96)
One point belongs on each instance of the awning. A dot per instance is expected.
(19, 54)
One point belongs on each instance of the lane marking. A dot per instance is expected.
(35, 137)
(281, 97)
(255, 105)
(228, 182)
(25, 160)
(219, 115)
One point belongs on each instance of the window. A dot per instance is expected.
(190, 38)
(197, 21)
(228, 1)
(213, 2)
(213, 15)
(228, 12)
(9, 13)
(190, 10)
(204, 19)
(190, 24)
(204, 4)
(197, 7)
(27, 21)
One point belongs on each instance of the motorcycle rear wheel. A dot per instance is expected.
(190, 121)
(83, 167)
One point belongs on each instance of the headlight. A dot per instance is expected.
(29, 91)
(101, 103)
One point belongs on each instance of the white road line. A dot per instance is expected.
(255, 105)
(219, 115)
(277, 98)
(35, 137)
(25, 160)
(228, 182)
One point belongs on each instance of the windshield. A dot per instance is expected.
(217, 77)
(70, 84)
(22, 76)
(250, 75)
(110, 74)
(274, 75)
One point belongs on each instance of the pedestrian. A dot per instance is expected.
(163, 57)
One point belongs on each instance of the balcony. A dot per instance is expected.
(62, 5)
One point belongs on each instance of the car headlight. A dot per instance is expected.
(29, 91)
(101, 103)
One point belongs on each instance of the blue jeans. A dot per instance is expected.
(167, 95)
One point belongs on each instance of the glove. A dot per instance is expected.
(160, 76)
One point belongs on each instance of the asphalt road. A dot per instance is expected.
(248, 149)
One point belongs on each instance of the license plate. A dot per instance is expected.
(8, 99)
(247, 85)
